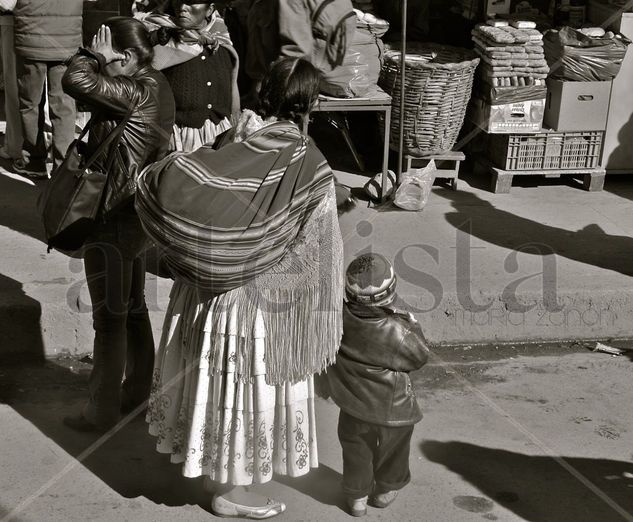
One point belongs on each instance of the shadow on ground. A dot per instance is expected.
(620, 185)
(538, 488)
(18, 204)
(43, 392)
(322, 484)
(125, 459)
(622, 156)
(20, 314)
(590, 245)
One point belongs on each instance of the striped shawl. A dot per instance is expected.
(226, 216)
(253, 229)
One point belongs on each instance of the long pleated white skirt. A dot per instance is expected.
(188, 139)
(234, 431)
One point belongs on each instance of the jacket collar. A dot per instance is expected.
(368, 312)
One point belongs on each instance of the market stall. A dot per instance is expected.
(497, 83)
(541, 98)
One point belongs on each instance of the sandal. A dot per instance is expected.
(225, 508)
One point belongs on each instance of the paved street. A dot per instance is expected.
(511, 432)
(538, 433)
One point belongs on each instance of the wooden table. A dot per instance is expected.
(378, 101)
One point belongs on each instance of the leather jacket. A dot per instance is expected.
(370, 379)
(146, 135)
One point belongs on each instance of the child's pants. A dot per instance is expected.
(373, 453)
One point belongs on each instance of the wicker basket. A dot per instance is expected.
(438, 86)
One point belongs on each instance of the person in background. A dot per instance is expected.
(12, 147)
(195, 53)
(114, 79)
(319, 31)
(370, 383)
(47, 33)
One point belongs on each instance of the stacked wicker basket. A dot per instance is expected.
(438, 87)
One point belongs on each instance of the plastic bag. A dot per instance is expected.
(348, 80)
(573, 56)
(359, 72)
(415, 187)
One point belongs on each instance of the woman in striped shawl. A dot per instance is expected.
(253, 241)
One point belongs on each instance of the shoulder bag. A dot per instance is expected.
(70, 203)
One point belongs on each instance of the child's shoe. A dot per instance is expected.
(382, 500)
(357, 506)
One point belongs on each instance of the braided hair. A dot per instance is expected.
(289, 90)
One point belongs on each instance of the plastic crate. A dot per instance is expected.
(547, 151)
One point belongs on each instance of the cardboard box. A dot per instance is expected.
(577, 106)
(497, 7)
(508, 118)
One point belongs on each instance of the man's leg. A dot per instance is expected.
(13, 132)
(62, 112)
(31, 84)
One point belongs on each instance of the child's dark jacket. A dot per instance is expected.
(370, 379)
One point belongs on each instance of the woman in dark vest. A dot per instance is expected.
(194, 51)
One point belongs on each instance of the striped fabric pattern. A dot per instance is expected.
(226, 216)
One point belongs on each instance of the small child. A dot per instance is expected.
(370, 384)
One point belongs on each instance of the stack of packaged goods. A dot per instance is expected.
(511, 56)
(511, 90)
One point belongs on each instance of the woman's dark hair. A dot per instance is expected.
(290, 89)
(129, 33)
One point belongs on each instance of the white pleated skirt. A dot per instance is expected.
(188, 139)
(234, 431)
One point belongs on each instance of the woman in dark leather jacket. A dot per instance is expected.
(111, 78)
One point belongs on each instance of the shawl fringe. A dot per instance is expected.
(303, 324)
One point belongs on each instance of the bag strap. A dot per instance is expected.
(84, 131)
(116, 133)
(317, 12)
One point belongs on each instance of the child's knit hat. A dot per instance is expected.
(371, 280)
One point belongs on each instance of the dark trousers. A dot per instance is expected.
(33, 77)
(373, 454)
(123, 342)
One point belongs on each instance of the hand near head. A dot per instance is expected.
(102, 44)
